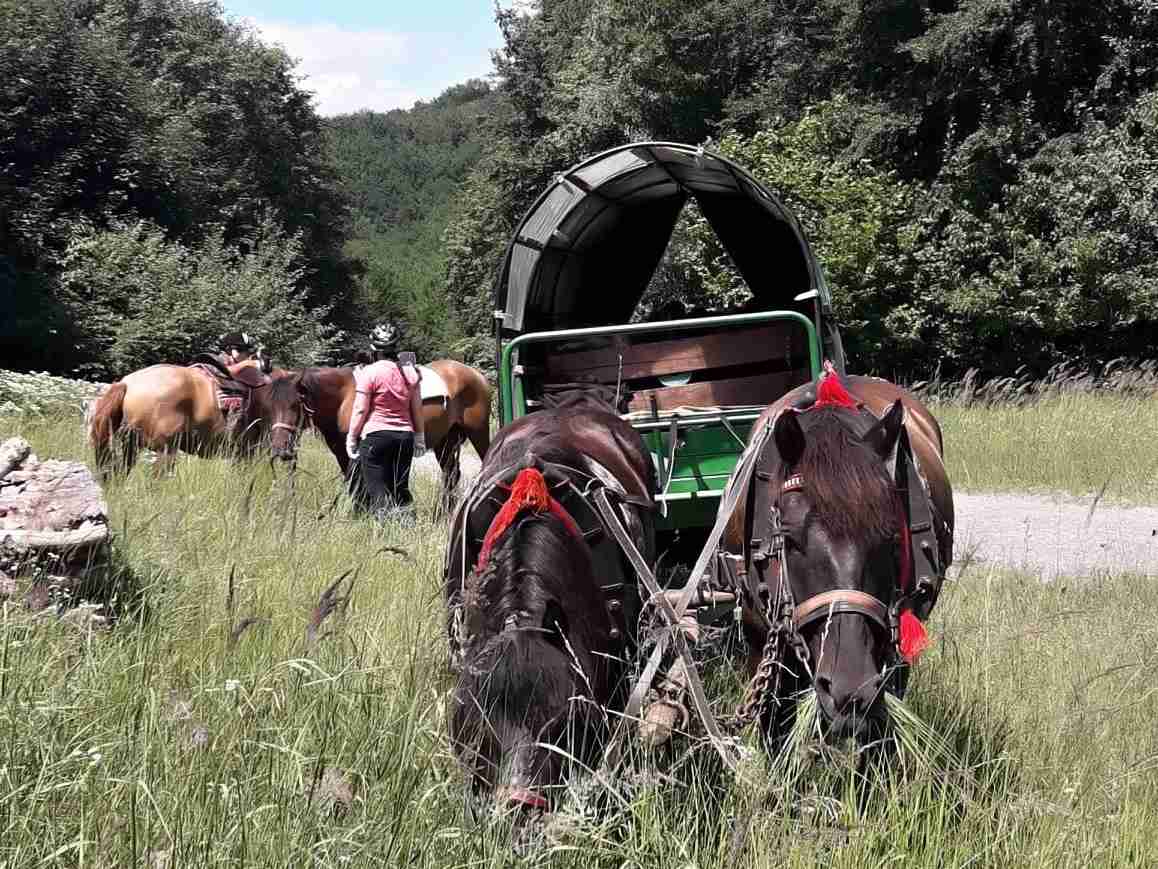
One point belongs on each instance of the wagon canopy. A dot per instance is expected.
(585, 252)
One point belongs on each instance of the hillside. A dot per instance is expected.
(401, 170)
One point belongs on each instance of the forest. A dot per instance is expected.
(977, 176)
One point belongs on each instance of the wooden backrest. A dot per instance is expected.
(753, 365)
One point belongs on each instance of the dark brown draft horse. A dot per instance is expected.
(839, 544)
(462, 414)
(167, 408)
(542, 602)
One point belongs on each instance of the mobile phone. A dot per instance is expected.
(405, 357)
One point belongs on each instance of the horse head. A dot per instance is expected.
(538, 653)
(845, 556)
(286, 410)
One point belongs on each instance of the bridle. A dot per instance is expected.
(787, 618)
(305, 419)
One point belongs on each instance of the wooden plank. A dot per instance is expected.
(759, 389)
(696, 353)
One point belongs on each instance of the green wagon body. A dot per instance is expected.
(576, 269)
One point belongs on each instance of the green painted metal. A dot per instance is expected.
(707, 451)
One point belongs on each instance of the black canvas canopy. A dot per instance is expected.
(585, 252)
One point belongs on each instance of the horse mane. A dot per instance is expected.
(583, 394)
(511, 607)
(524, 572)
(311, 380)
(283, 389)
(845, 480)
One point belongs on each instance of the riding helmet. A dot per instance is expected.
(242, 340)
(384, 337)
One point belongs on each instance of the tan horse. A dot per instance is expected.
(166, 408)
(463, 414)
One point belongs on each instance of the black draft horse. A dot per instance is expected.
(542, 603)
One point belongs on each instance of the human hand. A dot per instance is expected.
(352, 448)
(419, 445)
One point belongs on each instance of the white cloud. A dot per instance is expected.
(348, 70)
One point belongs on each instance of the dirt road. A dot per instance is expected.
(1045, 535)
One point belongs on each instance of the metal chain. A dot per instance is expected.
(757, 694)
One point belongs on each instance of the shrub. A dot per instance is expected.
(140, 298)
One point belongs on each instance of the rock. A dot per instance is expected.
(335, 792)
(13, 453)
(53, 520)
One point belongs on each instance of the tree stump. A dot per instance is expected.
(53, 523)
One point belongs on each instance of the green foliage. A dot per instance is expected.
(403, 169)
(1064, 267)
(42, 393)
(140, 299)
(117, 110)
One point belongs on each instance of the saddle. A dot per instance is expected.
(234, 385)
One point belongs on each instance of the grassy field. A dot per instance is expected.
(1075, 443)
(163, 742)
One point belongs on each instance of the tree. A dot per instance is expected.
(115, 111)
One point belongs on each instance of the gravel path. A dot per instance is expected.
(1056, 536)
(1049, 536)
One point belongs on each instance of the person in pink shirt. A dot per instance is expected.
(386, 431)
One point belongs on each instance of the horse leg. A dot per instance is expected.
(448, 462)
(478, 429)
(130, 444)
(166, 462)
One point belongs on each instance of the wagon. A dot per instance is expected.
(576, 269)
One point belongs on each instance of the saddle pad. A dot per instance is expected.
(432, 385)
(226, 400)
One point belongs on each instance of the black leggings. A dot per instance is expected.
(385, 458)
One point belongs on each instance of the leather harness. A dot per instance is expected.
(761, 575)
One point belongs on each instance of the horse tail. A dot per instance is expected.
(478, 419)
(107, 416)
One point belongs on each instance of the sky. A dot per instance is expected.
(377, 54)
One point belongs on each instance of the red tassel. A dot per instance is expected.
(528, 492)
(914, 637)
(831, 392)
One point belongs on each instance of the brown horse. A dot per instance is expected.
(167, 408)
(462, 414)
(846, 569)
(542, 602)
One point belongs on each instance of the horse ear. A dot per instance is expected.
(789, 437)
(882, 437)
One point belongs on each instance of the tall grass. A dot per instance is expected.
(1075, 431)
(162, 742)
